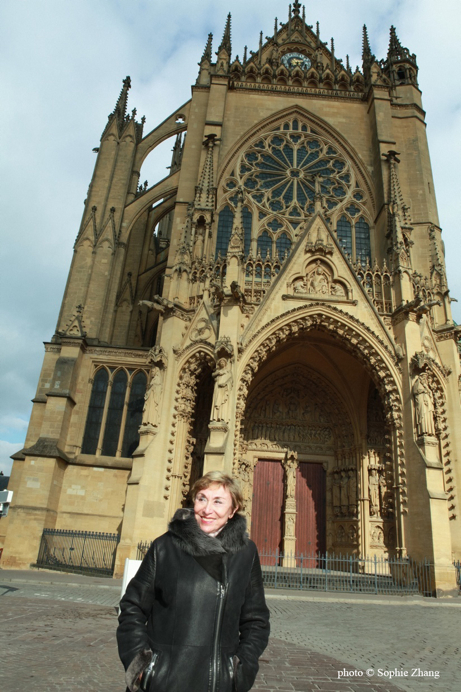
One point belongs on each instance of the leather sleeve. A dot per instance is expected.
(254, 629)
(135, 608)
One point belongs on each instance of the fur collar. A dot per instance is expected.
(187, 535)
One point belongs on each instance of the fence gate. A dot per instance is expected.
(85, 552)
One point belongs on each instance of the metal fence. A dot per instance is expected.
(143, 547)
(85, 552)
(350, 573)
(333, 572)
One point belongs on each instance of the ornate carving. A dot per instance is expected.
(424, 406)
(153, 397)
(353, 340)
(183, 418)
(344, 492)
(224, 348)
(318, 282)
(202, 330)
(297, 409)
(157, 356)
(223, 387)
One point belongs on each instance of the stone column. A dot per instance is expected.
(290, 464)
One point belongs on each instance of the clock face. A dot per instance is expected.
(291, 60)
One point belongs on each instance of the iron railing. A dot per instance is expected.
(85, 552)
(351, 573)
(143, 547)
(347, 573)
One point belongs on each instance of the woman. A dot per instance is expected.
(194, 618)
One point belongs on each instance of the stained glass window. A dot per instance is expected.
(289, 168)
(344, 231)
(134, 414)
(264, 245)
(95, 412)
(115, 409)
(247, 220)
(226, 219)
(283, 245)
(114, 414)
(362, 241)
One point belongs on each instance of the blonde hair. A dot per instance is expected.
(225, 481)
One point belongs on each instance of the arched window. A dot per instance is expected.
(134, 414)
(362, 241)
(226, 219)
(95, 412)
(344, 231)
(122, 414)
(283, 245)
(264, 245)
(247, 219)
(114, 414)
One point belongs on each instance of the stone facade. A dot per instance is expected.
(281, 296)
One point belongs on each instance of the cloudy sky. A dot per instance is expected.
(62, 64)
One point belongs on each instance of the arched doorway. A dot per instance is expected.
(296, 429)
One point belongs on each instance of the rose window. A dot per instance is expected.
(283, 172)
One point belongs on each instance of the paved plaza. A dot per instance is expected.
(58, 633)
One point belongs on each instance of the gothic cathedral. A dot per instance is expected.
(276, 307)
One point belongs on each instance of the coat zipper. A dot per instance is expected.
(222, 593)
(215, 663)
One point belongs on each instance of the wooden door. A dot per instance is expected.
(267, 509)
(311, 509)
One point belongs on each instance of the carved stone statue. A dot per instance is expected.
(352, 492)
(223, 386)
(291, 463)
(344, 493)
(153, 395)
(336, 491)
(299, 286)
(424, 406)
(373, 488)
(290, 525)
(382, 495)
(318, 283)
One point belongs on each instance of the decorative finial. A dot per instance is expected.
(226, 39)
(296, 6)
(208, 48)
(245, 52)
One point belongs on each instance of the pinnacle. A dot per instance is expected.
(207, 52)
(394, 43)
(366, 51)
(122, 101)
(226, 39)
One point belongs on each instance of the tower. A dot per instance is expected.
(276, 307)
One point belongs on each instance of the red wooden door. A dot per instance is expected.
(267, 508)
(311, 510)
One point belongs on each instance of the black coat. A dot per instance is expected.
(197, 602)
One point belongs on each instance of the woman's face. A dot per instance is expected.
(213, 508)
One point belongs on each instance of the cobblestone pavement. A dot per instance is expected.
(58, 633)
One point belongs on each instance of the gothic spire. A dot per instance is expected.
(396, 50)
(207, 52)
(226, 39)
(122, 101)
(399, 56)
(399, 222)
(119, 112)
(367, 56)
(204, 191)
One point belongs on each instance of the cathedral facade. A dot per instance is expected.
(276, 307)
